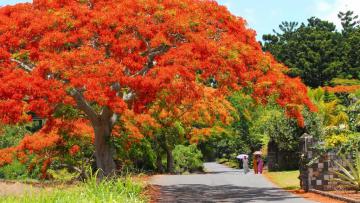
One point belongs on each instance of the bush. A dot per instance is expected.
(232, 163)
(187, 159)
(17, 170)
(14, 171)
(141, 156)
(63, 175)
(11, 135)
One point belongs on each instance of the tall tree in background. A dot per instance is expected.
(351, 35)
(348, 21)
(316, 51)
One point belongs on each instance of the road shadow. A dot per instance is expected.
(222, 193)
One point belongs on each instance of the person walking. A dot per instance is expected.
(255, 165)
(260, 164)
(246, 165)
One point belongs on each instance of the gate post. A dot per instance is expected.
(306, 141)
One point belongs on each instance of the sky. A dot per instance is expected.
(265, 15)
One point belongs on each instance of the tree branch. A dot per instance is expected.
(151, 53)
(26, 67)
(84, 105)
(140, 37)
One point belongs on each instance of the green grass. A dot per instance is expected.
(228, 162)
(118, 190)
(287, 180)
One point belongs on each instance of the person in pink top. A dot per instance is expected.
(260, 164)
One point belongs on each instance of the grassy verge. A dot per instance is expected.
(287, 180)
(229, 162)
(117, 190)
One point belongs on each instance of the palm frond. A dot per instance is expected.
(348, 173)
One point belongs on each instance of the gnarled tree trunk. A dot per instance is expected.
(103, 148)
(102, 124)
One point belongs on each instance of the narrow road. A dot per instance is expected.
(221, 184)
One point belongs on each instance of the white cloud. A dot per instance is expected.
(323, 6)
(329, 10)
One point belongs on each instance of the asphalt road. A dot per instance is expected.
(221, 184)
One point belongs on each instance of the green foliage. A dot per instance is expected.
(247, 112)
(78, 162)
(272, 124)
(330, 111)
(349, 172)
(67, 112)
(232, 163)
(14, 171)
(222, 160)
(17, 170)
(63, 175)
(140, 156)
(223, 146)
(11, 135)
(187, 158)
(345, 82)
(353, 112)
(346, 142)
(348, 21)
(114, 190)
(317, 52)
(338, 119)
(258, 125)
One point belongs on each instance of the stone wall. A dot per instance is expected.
(316, 175)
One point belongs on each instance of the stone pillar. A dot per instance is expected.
(306, 142)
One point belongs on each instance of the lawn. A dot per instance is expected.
(287, 180)
(117, 190)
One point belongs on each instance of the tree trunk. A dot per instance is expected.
(103, 150)
(159, 164)
(102, 124)
(170, 160)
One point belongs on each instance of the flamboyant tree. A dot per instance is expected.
(106, 57)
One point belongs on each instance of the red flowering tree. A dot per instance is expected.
(105, 57)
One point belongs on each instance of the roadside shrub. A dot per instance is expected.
(21, 169)
(139, 156)
(14, 171)
(232, 163)
(187, 158)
